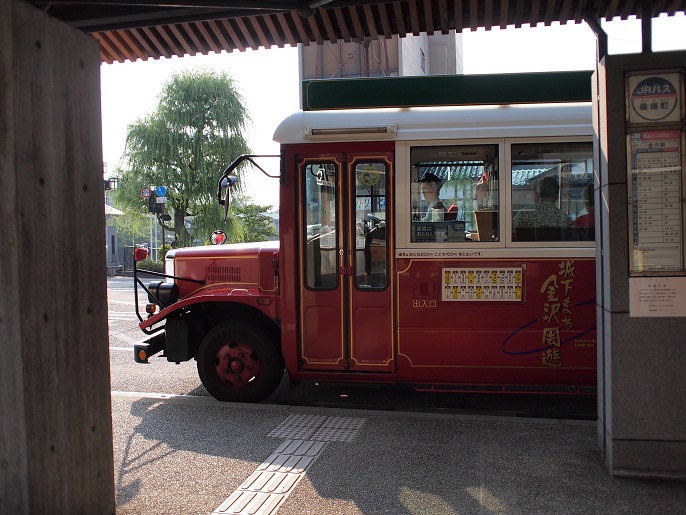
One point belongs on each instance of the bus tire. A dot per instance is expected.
(237, 362)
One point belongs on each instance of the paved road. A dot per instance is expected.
(194, 455)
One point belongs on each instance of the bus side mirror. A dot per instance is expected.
(225, 192)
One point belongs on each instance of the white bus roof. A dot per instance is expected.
(430, 123)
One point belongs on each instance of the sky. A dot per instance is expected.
(268, 78)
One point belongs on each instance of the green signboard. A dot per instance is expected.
(434, 90)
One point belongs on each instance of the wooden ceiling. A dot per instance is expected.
(144, 29)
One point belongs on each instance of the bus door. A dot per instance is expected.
(345, 313)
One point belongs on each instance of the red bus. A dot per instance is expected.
(442, 247)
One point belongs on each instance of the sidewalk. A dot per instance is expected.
(187, 455)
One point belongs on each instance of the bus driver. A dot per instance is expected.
(430, 186)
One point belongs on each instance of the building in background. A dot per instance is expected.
(438, 54)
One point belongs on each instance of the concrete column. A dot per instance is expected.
(55, 411)
(642, 384)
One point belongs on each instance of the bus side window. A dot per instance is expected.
(454, 193)
(549, 183)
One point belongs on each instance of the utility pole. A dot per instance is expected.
(164, 248)
(161, 192)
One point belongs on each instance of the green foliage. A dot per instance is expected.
(256, 226)
(162, 251)
(195, 132)
(149, 264)
(132, 228)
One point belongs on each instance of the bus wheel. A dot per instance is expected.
(237, 362)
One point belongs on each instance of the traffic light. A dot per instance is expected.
(153, 206)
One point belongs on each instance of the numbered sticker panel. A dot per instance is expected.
(483, 284)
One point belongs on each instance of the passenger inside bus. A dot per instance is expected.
(430, 186)
(587, 219)
(543, 220)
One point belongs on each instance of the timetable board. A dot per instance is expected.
(656, 200)
(656, 125)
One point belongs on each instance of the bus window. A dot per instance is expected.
(371, 242)
(551, 186)
(454, 193)
(321, 254)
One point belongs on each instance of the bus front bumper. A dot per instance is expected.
(149, 346)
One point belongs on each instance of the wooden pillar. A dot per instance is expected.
(55, 410)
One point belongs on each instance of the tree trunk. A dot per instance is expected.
(182, 235)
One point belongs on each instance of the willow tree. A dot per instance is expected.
(196, 130)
